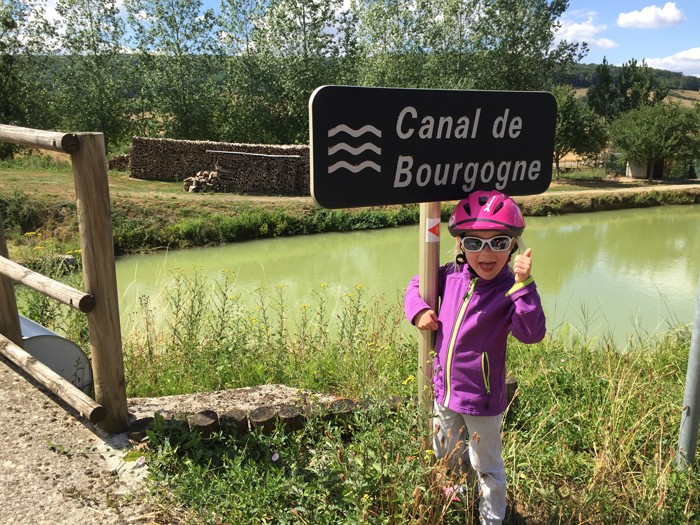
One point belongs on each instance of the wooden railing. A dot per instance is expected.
(100, 300)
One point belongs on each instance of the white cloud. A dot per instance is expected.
(686, 62)
(586, 31)
(652, 17)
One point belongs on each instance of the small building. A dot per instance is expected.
(642, 171)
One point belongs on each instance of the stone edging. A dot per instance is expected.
(291, 417)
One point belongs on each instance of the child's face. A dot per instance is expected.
(487, 263)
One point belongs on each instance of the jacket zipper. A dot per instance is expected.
(486, 372)
(453, 338)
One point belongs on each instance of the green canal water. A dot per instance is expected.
(628, 273)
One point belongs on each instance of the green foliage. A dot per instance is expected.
(515, 45)
(590, 436)
(20, 214)
(177, 59)
(132, 234)
(30, 161)
(24, 36)
(578, 130)
(658, 132)
(632, 87)
(594, 432)
(602, 96)
(93, 89)
(48, 256)
(372, 468)
(246, 73)
(206, 338)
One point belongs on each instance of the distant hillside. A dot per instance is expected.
(685, 97)
(581, 76)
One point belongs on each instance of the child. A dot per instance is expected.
(481, 301)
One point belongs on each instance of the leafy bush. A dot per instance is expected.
(21, 213)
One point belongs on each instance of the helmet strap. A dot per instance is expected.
(460, 258)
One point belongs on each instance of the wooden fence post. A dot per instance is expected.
(99, 274)
(9, 317)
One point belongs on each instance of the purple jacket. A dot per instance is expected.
(474, 320)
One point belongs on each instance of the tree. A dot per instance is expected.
(277, 53)
(92, 91)
(300, 37)
(448, 38)
(661, 132)
(635, 86)
(177, 62)
(250, 88)
(603, 96)
(390, 41)
(579, 130)
(24, 34)
(638, 86)
(515, 44)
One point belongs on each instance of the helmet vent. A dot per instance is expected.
(498, 208)
(467, 208)
(483, 200)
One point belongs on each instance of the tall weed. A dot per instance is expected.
(592, 437)
(49, 257)
(207, 338)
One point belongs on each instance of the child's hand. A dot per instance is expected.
(426, 320)
(522, 266)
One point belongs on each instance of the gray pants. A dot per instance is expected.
(482, 450)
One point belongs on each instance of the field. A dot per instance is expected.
(684, 97)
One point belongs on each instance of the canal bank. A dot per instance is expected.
(604, 196)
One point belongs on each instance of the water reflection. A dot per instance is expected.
(635, 271)
(630, 271)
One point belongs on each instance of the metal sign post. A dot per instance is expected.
(381, 146)
(690, 418)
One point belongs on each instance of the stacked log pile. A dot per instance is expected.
(242, 168)
(119, 163)
(203, 181)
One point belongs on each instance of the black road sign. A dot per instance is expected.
(378, 146)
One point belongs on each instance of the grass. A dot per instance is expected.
(590, 437)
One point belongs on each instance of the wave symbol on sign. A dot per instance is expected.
(354, 151)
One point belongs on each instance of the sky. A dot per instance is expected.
(665, 34)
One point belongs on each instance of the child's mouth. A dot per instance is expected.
(487, 266)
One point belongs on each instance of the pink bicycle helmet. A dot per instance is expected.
(486, 210)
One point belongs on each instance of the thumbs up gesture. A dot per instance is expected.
(522, 266)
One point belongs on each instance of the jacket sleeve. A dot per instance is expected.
(413, 303)
(528, 320)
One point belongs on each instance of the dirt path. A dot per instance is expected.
(56, 468)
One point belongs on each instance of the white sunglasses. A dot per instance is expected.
(476, 244)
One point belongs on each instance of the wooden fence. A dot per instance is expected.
(99, 302)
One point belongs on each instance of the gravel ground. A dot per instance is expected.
(56, 467)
